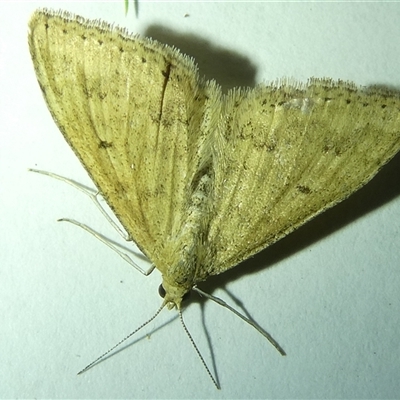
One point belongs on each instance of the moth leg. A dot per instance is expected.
(114, 246)
(93, 196)
(243, 317)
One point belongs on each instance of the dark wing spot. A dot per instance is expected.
(303, 189)
(104, 145)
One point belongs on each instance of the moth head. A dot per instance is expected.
(173, 295)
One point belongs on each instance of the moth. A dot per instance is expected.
(199, 179)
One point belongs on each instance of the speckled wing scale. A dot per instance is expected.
(202, 180)
(287, 152)
(137, 117)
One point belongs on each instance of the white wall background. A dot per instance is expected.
(329, 293)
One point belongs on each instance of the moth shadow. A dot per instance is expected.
(227, 67)
(231, 69)
(382, 189)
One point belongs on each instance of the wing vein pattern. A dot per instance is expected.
(202, 180)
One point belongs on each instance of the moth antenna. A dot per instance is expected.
(91, 193)
(121, 341)
(197, 350)
(93, 196)
(244, 318)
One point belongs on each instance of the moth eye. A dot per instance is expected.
(161, 291)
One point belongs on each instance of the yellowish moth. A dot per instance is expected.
(199, 179)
